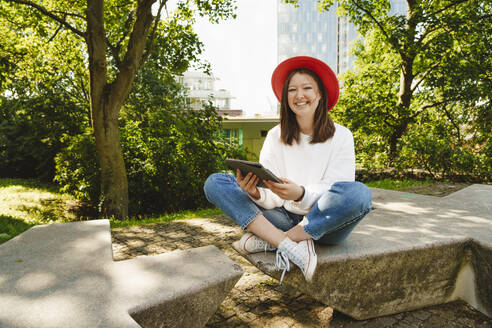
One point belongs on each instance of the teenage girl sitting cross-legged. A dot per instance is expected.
(318, 201)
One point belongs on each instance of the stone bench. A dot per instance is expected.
(411, 251)
(63, 275)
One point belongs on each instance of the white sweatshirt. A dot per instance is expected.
(314, 166)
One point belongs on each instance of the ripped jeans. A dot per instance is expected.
(330, 220)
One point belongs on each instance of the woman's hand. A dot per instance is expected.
(287, 190)
(248, 183)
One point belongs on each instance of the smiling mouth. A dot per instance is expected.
(301, 103)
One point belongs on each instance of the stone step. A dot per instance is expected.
(63, 275)
(411, 251)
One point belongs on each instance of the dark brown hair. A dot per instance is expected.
(324, 127)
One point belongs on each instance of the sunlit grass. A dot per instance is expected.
(184, 215)
(395, 184)
(25, 203)
(34, 203)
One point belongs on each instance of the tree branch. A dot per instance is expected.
(456, 126)
(115, 51)
(418, 112)
(131, 61)
(425, 75)
(150, 44)
(45, 12)
(447, 7)
(69, 14)
(430, 29)
(56, 32)
(380, 26)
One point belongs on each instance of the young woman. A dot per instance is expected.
(318, 199)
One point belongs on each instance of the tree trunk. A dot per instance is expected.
(114, 185)
(403, 106)
(398, 132)
(107, 100)
(406, 78)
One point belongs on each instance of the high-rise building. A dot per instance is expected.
(305, 31)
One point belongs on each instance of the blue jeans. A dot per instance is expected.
(330, 220)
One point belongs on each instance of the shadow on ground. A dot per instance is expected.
(260, 301)
(11, 226)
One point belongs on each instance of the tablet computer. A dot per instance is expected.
(256, 168)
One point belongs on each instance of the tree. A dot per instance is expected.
(119, 37)
(169, 148)
(423, 40)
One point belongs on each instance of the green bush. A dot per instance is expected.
(443, 156)
(168, 156)
(77, 171)
(31, 130)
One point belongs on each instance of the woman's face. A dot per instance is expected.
(303, 95)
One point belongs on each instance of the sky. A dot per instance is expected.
(243, 54)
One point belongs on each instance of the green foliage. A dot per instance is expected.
(368, 97)
(443, 156)
(169, 150)
(419, 96)
(77, 171)
(30, 130)
(44, 92)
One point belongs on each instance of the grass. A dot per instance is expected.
(34, 202)
(25, 203)
(184, 215)
(395, 184)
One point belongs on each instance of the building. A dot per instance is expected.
(201, 90)
(249, 132)
(305, 31)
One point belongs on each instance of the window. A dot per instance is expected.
(233, 135)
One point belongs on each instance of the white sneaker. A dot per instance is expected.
(251, 243)
(301, 254)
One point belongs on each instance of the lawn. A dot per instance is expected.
(25, 203)
(395, 184)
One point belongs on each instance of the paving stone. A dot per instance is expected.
(421, 315)
(272, 304)
(247, 316)
(325, 316)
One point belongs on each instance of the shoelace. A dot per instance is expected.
(282, 263)
(260, 243)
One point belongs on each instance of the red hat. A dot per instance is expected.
(317, 66)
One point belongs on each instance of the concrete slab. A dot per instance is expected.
(63, 275)
(411, 251)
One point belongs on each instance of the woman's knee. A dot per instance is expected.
(361, 194)
(214, 184)
(347, 195)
